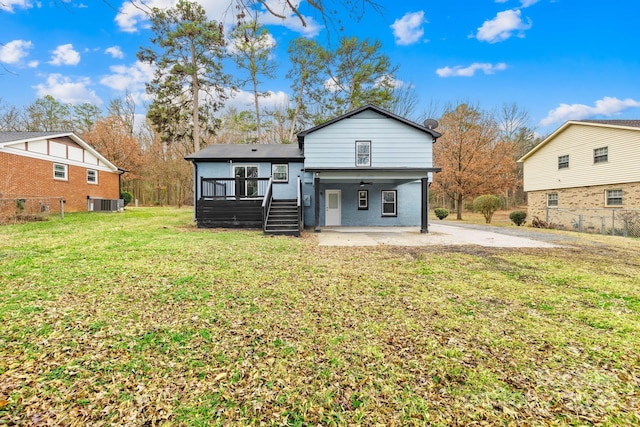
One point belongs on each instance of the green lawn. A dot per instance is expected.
(139, 318)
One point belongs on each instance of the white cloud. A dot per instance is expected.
(266, 42)
(14, 51)
(65, 90)
(331, 84)
(65, 55)
(8, 5)
(527, 3)
(460, 71)
(408, 29)
(33, 64)
(133, 16)
(391, 82)
(243, 100)
(130, 78)
(606, 106)
(503, 26)
(115, 52)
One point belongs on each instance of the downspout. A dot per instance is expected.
(195, 191)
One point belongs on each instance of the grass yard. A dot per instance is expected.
(141, 319)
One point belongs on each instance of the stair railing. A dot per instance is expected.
(266, 204)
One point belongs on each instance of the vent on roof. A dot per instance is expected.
(254, 149)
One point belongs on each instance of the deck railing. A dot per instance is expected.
(233, 188)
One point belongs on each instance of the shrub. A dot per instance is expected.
(441, 213)
(127, 197)
(487, 205)
(518, 217)
(539, 223)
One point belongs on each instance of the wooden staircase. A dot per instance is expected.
(282, 218)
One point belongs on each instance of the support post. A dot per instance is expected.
(424, 214)
(316, 206)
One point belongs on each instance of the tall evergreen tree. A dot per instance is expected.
(252, 51)
(187, 51)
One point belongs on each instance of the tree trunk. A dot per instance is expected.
(459, 207)
(257, 104)
(195, 84)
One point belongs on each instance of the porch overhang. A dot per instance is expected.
(377, 175)
(368, 176)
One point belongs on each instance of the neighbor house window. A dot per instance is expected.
(389, 203)
(280, 173)
(563, 161)
(552, 199)
(60, 172)
(92, 176)
(363, 153)
(614, 197)
(601, 155)
(363, 199)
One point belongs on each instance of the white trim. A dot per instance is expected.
(34, 155)
(66, 171)
(96, 177)
(73, 136)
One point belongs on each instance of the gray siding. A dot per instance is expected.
(393, 144)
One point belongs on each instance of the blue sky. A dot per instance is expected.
(556, 59)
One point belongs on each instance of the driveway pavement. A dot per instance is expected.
(440, 234)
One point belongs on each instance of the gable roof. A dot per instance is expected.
(371, 107)
(614, 124)
(10, 138)
(248, 152)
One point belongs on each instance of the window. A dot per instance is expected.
(601, 155)
(363, 153)
(280, 173)
(92, 176)
(363, 200)
(552, 200)
(563, 162)
(613, 197)
(389, 203)
(60, 172)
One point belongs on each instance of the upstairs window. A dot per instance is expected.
(601, 155)
(563, 162)
(552, 200)
(60, 172)
(363, 153)
(92, 176)
(613, 197)
(280, 173)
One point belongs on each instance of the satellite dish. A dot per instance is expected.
(430, 124)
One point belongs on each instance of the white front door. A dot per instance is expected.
(332, 207)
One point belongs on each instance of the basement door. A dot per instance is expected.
(333, 208)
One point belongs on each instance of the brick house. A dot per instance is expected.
(56, 165)
(588, 166)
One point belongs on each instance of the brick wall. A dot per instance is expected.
(583, 197)
(25, 176)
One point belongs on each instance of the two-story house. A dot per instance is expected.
(368, 167)
(57, 165)
(588, 166)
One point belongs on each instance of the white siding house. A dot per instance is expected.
(589, 166)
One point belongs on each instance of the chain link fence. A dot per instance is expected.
(16, 209)
(614, 222)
